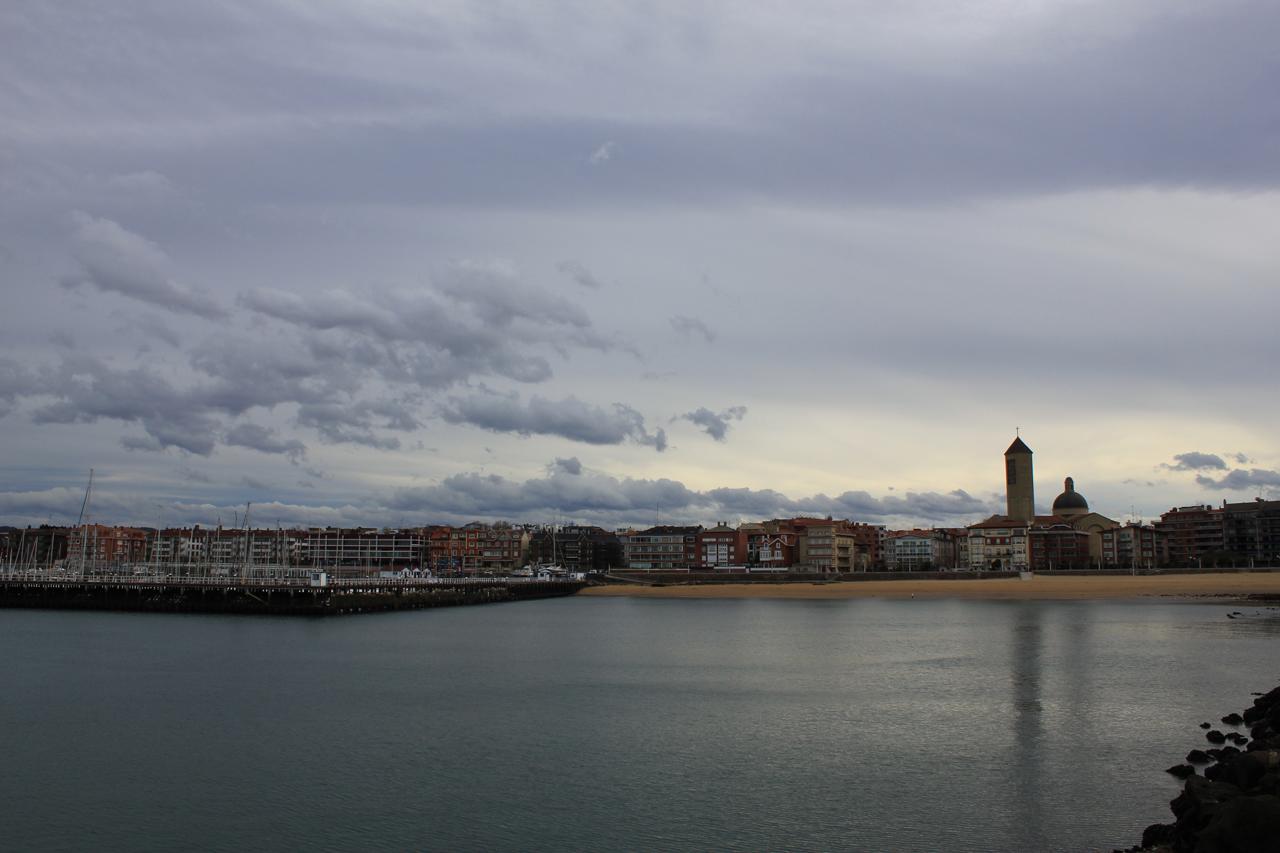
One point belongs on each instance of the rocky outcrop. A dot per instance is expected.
(1235, 806)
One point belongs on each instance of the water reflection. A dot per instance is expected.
(1028, 715)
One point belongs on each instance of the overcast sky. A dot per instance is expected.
(400, 262)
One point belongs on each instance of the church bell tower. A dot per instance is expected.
(1019, 481)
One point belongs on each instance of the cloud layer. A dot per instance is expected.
(391, 243)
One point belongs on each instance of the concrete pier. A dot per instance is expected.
(269, 596)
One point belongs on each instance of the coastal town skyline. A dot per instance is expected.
(460, 263)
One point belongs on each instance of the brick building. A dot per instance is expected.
(720, 546)
(107, 548)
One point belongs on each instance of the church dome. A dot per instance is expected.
(1070, 502)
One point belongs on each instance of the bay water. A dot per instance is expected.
(616, 724)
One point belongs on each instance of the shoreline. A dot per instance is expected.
(1235, 586)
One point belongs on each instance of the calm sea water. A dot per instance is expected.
(615, 724)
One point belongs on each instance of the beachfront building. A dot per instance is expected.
(1054, 543)
(958, 537)
(106, 548)
(664, 548)
(868, 545)
(360, 549)
(475, 547)
(1134, 546)
(918, 550)
(1193, 533)
(825, 544)
(578, 548)
(720, 547)
(999, 543)
(1251, 531)
(770, 545)
(34, 548)
(196, 548)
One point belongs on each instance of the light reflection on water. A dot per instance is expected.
(618, 724)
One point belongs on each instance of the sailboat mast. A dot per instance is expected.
(84, 509)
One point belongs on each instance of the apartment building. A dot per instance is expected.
(1192, 532)
(719, 547)
(661, 548)
(1000, 543)
(1134, 546)
(918, 550)
(104, 546)
(579, 548)
(1251, 530)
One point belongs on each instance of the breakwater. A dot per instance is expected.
(1235, 806)
(271, 596)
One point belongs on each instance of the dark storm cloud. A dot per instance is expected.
(1196, 461)
(115, 260)
(15, 381)
(1108, 94)
(933, 506)
(1241, 479)
(566, 466)
(353, 364)
(579, 274)
(493, 495)
(61, 505)
(568, 418)
(265, 440)
(344, 424)
(470, 321)
(715, 424)
(568, 489)
(691, 326)
(614, 500)
(191, 475)
(86, 390)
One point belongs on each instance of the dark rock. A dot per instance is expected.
(1233, 719)
(1206, 725)
(1198, 756)
(1201, 794)
(1182, 771)
(1157, 833)
(1214, 753)
(1270, 697)
(1242, 825)
(1215, 736)
(1247, 770)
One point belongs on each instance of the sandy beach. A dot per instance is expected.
(1037, 587)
